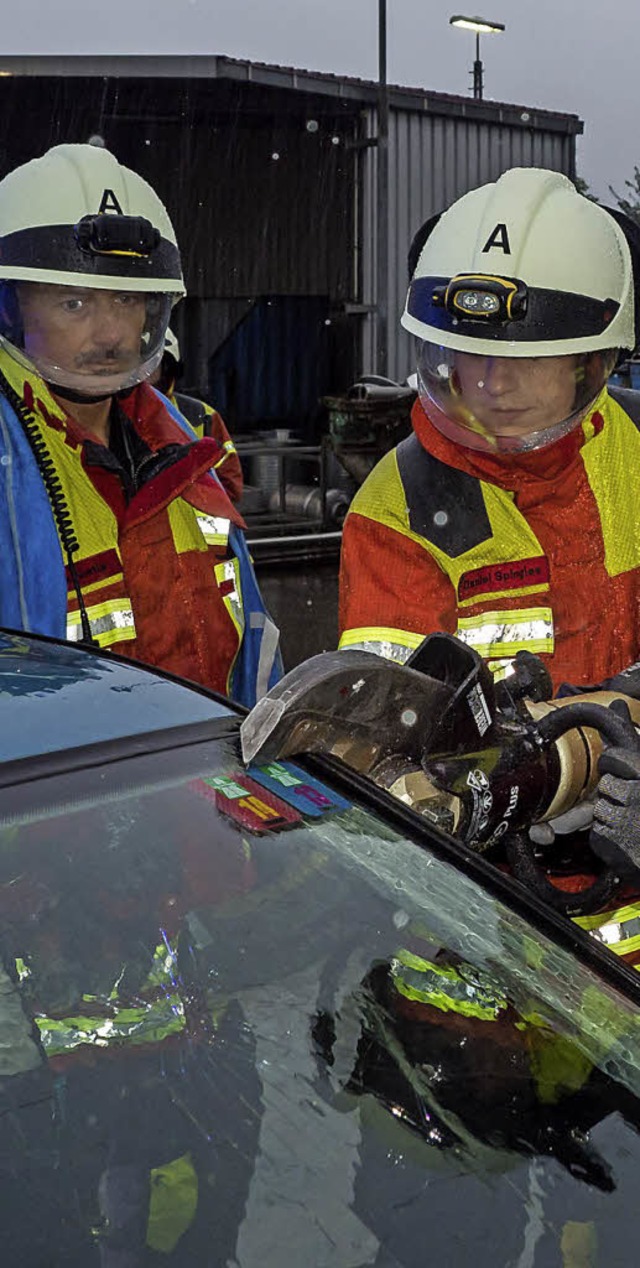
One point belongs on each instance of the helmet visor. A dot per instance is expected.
(508, 404)
(94, 342)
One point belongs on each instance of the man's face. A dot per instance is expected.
(515, 396)
(89, 332)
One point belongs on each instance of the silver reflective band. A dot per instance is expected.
(532, 632)
(225, 572)
(107, 623)
(614, 933)
(214, 529)
(381, 647)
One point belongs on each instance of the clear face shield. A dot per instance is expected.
(508, 404)
(91, 341)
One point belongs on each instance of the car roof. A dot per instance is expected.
(55, 697)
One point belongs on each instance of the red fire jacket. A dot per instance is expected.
(537, 551)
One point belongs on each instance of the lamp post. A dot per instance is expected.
(480, 26)
(382, 193)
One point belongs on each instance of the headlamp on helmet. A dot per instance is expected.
(475, 297)
(76, 224)
(117, 235)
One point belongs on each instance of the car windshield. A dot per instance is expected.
(276, 1026)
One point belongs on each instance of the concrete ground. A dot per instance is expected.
(303, 601)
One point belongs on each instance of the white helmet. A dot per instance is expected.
(523, 268)
(528, 263)
(77, 218)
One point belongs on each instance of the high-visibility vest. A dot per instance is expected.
(206, 421)
(419, 523)
(166, 579)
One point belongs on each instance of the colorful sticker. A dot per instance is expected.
(251, 806)
(299, 789)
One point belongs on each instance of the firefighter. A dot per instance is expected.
(114, 528)
(510, 516)
(205, 420)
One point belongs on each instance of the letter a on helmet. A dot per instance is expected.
(77, 217)
(525, 267)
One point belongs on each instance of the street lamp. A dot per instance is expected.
(480, 26)
(382, 197)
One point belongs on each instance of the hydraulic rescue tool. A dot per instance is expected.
(481, 760)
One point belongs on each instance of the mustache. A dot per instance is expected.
(113, 355)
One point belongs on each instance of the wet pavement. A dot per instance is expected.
(303, 601)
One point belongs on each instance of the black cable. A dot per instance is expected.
(615, 724)
(55, 494)
(522, 861)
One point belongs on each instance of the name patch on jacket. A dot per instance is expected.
(494, 578)
(95, 568)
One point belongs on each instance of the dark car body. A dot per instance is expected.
(203, 1059)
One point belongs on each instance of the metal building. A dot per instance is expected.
(269, 174)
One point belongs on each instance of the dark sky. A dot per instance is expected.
(577, 56)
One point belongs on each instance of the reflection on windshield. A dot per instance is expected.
(315, 1046)
(55, 698)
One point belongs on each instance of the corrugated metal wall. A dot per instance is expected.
(434, 159)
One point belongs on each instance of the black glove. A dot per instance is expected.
(627, 682)
(615, 834)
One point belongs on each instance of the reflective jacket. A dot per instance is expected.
(165, 578)
(536, 552)
(206, 421)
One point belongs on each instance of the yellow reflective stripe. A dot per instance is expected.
(608, 458)
(501, 669)
(619, 930)
(620, 915)
(149, 1024)
(185, 530)
(94, 586)
(519, 629)
(621, 939)
(445, 1002)
(412, 961)
(229, 448)
(173, 1201)
(110, 622)
(392, 644)
(226, 572)
(519, 592)
(214, 529)
(444, 988)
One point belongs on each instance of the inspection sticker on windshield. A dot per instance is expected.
(250, 806)
(298, 788)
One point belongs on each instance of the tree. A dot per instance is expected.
(631, 203)
(583, 188)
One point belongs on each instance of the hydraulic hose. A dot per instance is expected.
(614, 723)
